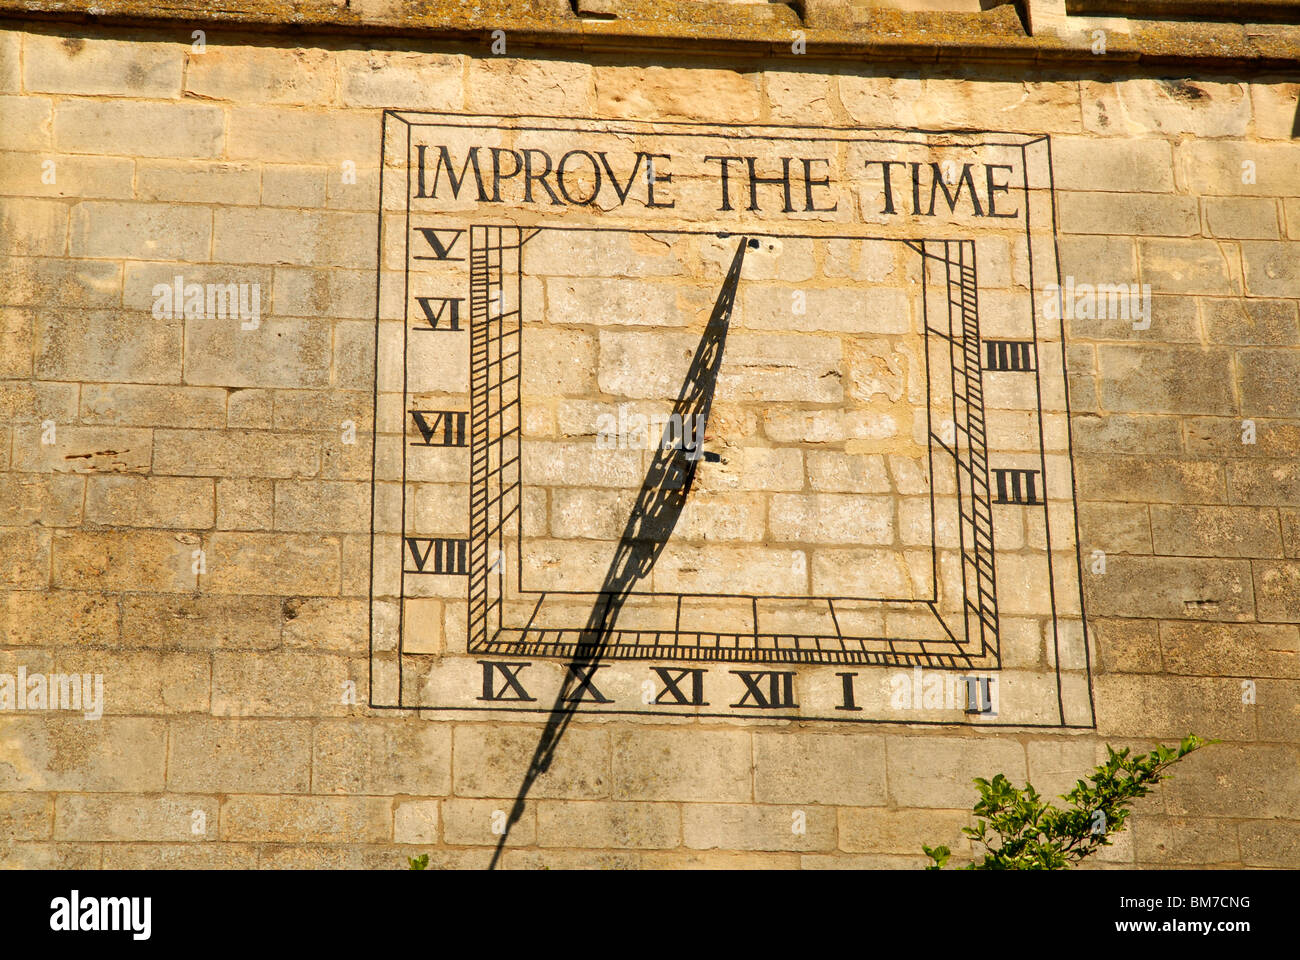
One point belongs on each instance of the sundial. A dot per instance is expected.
(721, 421)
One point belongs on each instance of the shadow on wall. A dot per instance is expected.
(656, 511)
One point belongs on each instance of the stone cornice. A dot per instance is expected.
(1034, 31)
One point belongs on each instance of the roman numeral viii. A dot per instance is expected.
(438, 555)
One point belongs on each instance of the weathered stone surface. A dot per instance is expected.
(56, 64)
(1264, 481)
(1151, 479)
(1215, 531)
(219, 755)
(881, 830)
(64, 752)
(235, 453)
(1086, 163)
(179, 856)
(1268, 843)
(416, 821)
(488, 763)
(1144, 215)
(937, 771)
(1277, 589)
(1185, 840)
(1231, 649)
(261, 75)
(1270, 268)
(283, 819)
(381, 78)
(1166, 380)
(1171, 707)
(107, 345)
(58, 618)
(1250, 321)
(401, 757)
(661, 91)
(839, 769)
(147, 560)
(1264, 778)
(717, 826)
(1190, 266)
(1192, 588)
(1127, 646)
(25, 816)
(1139, 109)
(606, 825)
(186, 501)
(283, 684)
(563, 88)
(171, 817)
(681, 765)
(190, 622)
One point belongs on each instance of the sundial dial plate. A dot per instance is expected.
(878, 492)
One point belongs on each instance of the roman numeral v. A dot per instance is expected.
(436, 239)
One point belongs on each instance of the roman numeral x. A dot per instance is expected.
(579, 682)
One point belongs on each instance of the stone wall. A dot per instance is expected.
(185, 510)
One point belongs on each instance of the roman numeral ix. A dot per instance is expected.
(507, 673)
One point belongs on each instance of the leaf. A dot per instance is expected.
(939, 855)
(1028, 833)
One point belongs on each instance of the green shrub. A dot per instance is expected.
(1018, 830)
